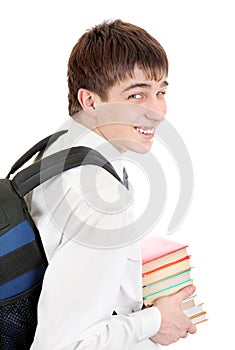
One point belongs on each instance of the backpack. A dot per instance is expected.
(22, 258)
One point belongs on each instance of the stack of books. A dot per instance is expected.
(166, 268)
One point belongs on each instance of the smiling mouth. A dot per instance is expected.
(145, 131)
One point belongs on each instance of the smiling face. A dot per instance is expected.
(134, 109)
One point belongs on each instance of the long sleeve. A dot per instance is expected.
(80, 291)
(83, 285)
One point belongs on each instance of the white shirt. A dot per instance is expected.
(94, 266)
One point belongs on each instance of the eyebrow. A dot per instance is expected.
(143, 85)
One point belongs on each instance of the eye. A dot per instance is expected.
(135, 96)
(161, 92)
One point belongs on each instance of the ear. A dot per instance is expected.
(87, 101)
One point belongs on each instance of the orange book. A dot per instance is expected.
(167, 271)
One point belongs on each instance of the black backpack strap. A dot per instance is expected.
(32, 176)
(40, 146)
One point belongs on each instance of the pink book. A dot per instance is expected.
(158, 252)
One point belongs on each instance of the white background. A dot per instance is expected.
(36, 40)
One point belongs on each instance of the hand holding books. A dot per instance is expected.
(175, 324)
(166, 270)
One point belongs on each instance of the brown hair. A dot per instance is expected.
(108, 53)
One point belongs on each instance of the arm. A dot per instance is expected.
(79, 294)
(81, 284)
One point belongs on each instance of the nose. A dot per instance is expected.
(156, 110)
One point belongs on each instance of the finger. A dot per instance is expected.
(192, 329)
(185, 334)
(185, 293)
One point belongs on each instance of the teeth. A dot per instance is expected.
(145, 131)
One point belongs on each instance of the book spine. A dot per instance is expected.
(169, 288)
(166, 265)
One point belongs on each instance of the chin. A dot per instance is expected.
(136, 147)
(142, 149)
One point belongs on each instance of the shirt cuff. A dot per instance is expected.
(148, 322)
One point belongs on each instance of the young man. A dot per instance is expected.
(92, 293)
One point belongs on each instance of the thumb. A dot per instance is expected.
(185, 293)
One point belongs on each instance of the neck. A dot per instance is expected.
(89, 122)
